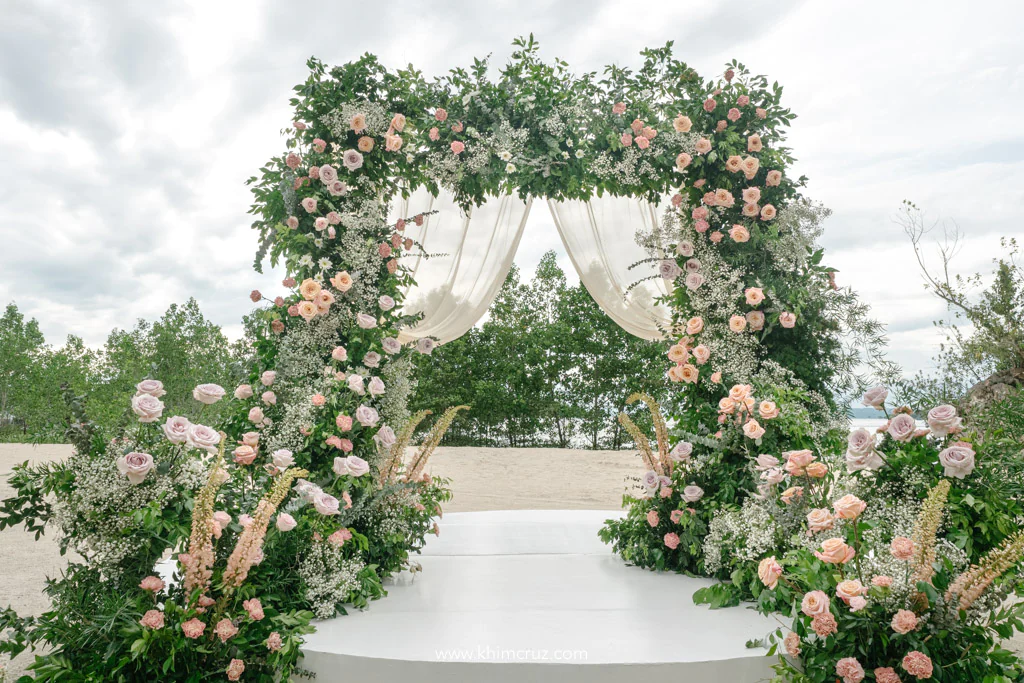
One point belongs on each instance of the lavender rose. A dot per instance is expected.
(367, 416)
(386, 303)
(682, 451)
(340, 466)
(694, 281)
(863, 461)
(651, 480)
(875, 397)
(692, 493)
(285, 522)
(135, 466)
(243, 391)
(203, 437)
(371, 359)
(957, 460)
(148, 408)
(357, 467)
(425, 345)
(282, 458)
(355, 383)
(256, 415)
(176, 429)
(391, 345)
(943, 420)
(860, 442)
(268, 377)
(367, 322)
(376, 386)
(306, 490)
(902, 427)
(385, 437)
(325, 503)
(352, 159)
(152, 387)
(668, 269)
(328, 174)
(208, 393)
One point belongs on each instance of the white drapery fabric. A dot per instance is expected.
(600, 238)
(472, 256)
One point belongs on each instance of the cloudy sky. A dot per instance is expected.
(127, 130)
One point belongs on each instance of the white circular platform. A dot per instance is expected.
(529, 595)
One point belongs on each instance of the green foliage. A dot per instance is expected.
(548, 367)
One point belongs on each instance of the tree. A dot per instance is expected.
(22, 347)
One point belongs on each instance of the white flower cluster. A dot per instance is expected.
(339, 121)
(743, 535)
(97, 519)
(328, 578)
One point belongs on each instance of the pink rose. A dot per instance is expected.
(274, 642)
(458, 147)
(768, 212)
(642, 142)
(652, 518)
(773, 179)
(858, 603)
(761, 113)
(293, 160)
(881, 581)
(626, 139)
(709, 105)
(787, 320)
(285, 522)
(619, 108)
(733, 115)
(441, 115)
(254, 608)
(243, 391)
(742, 100)
(703, 146)
(256, 415)
(269, 397)
(672, 540)
(135, 466)
(902, 548)
(244, 455)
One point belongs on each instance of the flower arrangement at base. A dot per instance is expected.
(908, 610)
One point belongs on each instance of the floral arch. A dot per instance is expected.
(674, 199)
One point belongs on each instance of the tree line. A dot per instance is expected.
(546, 368)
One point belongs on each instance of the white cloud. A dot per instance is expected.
(128, 130)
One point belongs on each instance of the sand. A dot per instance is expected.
(481, 479)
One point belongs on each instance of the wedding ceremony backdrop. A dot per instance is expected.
(396, 208)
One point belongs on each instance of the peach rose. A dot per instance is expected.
(672, 540)
(309, 289)
(787, 320)
(701, 354)
(815, 603)
(724, 198)
(769, 571)
(695, 325)
(835, 551)
(792, 493)
(689, 373)
(768, 212)
(773, 179)
(754, 295)
(683, 160)
(849, 507)
(751, 210)
(734, 163)
(756, 320)
(703, 146)
(193, 628)
(792, 644)
(881, 581)
(750, 167)
(768, 410)
(739, 233)
(682, 124)
(153, 619)
(754, 143)
(357, 123)
(737, 323)
(848, 589)
(753, 430)
(816, 470)
(235, 669)
(678, 353)
(819, 519)
(918, 664)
